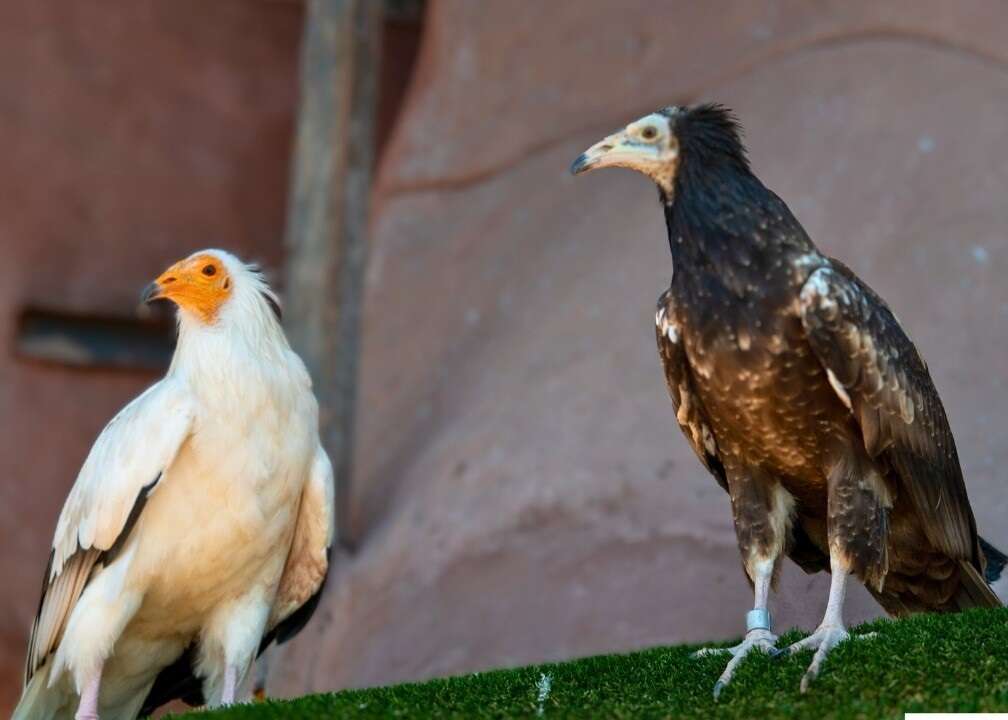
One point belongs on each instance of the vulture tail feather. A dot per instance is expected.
(974, 591)
(41, 702)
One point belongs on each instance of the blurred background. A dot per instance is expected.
(520, 490)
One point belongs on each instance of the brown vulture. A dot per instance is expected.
(800, 392)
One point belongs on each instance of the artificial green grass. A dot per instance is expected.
(949, 663)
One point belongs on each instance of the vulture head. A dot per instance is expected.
(672, 145)
(210, 285)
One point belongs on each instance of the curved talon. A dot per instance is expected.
(756, 640)
(820, 656)
(806, 679)
(822, 641)
(811, 642)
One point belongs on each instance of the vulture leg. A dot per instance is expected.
(241, 632)
(831, 631)
(762, 511)
(87, 709)
(230, 683)
(758, 634)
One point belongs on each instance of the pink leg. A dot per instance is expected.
(87, 709)
(230, 679)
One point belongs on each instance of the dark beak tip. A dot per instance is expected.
(580, 164)
(150, 294)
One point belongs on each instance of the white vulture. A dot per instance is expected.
(198, 530)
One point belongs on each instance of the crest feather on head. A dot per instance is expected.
(710, 133)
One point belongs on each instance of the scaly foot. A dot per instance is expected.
(824, 639)
(762, 640)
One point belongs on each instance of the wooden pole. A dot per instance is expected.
(327, 217)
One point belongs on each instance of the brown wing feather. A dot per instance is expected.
(877, 370)
(308, 562)
(125, 463)
(61, 592)
(689, 410)
(58, 597)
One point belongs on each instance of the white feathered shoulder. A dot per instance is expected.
(126, 463)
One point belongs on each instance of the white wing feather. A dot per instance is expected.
(128, 459)
(308, 561)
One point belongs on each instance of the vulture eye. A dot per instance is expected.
(649, 133)
(209, 271)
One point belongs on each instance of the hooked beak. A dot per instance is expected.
(151, 293)
(616, 150)
(582, 163)
(158, 290)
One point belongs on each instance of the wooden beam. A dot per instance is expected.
(404, 11)
(327, 216)
(72, 339)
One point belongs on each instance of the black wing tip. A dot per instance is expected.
(292, 625)
(274, 305)
(996, 561)
(178, 681)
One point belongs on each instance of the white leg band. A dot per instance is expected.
(757, 619)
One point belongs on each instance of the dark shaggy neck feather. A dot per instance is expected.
(727, 231)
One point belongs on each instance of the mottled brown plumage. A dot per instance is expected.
(778, 418)
(798, 389)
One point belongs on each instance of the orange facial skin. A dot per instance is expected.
(200, 284)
